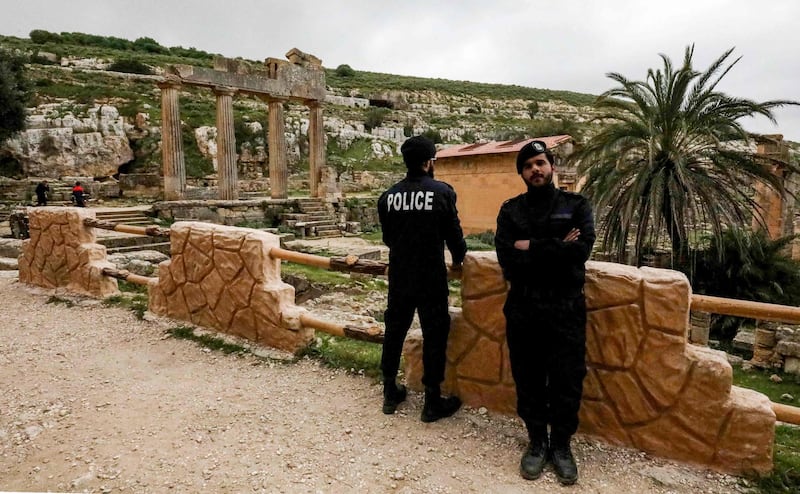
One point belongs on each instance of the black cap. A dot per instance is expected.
(417, 150)
(530, 150)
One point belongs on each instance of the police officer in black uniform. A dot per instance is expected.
(543, 239)
(418, 216)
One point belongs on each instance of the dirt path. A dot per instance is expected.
(93, 400)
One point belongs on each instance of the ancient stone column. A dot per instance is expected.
(316, 152)
(226, 144)
(173, 166)
(276, 139)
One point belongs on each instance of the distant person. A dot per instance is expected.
(42, 193)
(418, 216)
(543, 240)
(78, 195)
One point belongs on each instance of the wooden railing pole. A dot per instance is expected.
(151, 231)
(350, 263)
(300, 257)
(786, 413)
(745, 308)
(371, 334)
(122, 274)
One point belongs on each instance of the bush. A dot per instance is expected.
(40, 37)
(345, 70)
(13, 94)
(375, 118)
(746, 265)
(433, 135)
(533, 108)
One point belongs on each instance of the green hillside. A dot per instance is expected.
(75, 71)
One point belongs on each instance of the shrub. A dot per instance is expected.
(40, 36)
(746, 265)
(13, 94)
(433, 135)
(375, 118)
(533, 108)
(345, 70)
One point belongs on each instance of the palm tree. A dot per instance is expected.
(665, 162)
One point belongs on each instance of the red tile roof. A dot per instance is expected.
(496, 147)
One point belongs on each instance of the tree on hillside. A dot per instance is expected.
(664, 163)
(13, 94)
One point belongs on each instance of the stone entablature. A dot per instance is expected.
(223, 278)
(63, 253)
(646, 387)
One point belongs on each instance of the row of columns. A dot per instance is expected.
(174, 168)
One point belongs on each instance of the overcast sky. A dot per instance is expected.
(556, 44)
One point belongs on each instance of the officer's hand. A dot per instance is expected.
(522, 244)
(572, 235)
(455, 272)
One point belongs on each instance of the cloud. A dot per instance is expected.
(569, 45)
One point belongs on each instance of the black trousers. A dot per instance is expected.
(435, 321)
(547, 347)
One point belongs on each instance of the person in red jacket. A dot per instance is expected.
(78, 195)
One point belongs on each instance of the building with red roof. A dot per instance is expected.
(484, 175)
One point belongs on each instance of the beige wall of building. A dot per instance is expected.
(483, 181)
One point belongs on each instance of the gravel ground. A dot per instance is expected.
(94, 400)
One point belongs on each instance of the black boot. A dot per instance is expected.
(393, 395)
(436, 407)
(534, 459)
(563, 462)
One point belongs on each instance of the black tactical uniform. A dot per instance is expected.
(545, 310)
(418, 216)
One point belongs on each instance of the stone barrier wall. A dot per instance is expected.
(646, 387)
(62, 253)
(222, 277)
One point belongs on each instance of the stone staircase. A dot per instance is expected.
(313, 220)
(117, 243)
(125, 216)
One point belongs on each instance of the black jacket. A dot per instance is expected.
(551, 268)
(418, 216)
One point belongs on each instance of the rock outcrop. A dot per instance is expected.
(57, 143)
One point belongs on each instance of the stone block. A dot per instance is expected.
(791, 365)
(486, 315)
(662, 367)
(628, 398)
(462, 337)
(483, 363)
(613, 336)
(788, 348)
(666, 300)
(609, 284)
(481, 275)
(746, 442)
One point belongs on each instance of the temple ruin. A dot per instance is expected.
(301, 79)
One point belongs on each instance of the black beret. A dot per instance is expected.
(417, 150)
(530, 150)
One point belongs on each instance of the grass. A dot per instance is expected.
(332, 280)
(359, 357)
(206, 341)
(136, 303)
(60, 301)
(785, 477)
